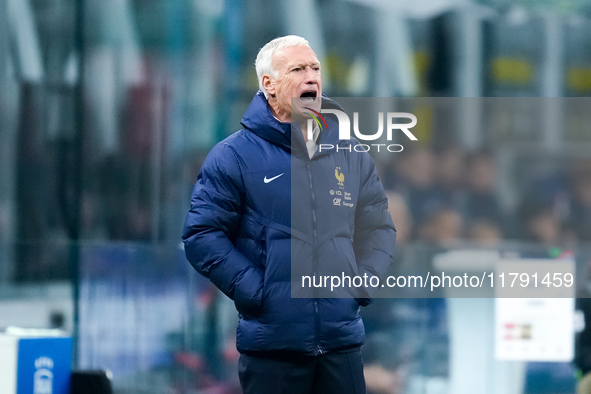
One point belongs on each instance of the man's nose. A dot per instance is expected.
(312, 76)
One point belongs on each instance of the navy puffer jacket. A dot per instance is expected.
(261, 208)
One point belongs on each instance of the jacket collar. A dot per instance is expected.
(259, 120)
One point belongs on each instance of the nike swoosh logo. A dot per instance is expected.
(267, 180)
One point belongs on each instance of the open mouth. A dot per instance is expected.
(308, 96)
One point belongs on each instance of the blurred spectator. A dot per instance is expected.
(417, 168)
(92, 221)
(390, 171)
(140, 221)
(580, 205)
(481, 195)
(539, 222)
(449, 174)
(387, 364)
(442, 227)
(438, 196)
(485, 232)
(125, 188)
(401, 217)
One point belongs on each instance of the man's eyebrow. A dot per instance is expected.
(305, 64)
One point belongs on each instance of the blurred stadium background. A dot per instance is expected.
(107, 109)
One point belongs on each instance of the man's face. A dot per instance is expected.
(298, 75)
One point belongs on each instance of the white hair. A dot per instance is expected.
(263, 63)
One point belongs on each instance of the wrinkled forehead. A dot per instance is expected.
(294, 55)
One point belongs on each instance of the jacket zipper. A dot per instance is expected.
(319, 349)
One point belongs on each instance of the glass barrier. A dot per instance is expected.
(148, 317)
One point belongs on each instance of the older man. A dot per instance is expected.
(264, 213)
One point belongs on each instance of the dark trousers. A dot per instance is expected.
(286, 373)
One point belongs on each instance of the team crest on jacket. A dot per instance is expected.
(340, 177)
(341, 196)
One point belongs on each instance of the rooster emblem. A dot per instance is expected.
(340, 176)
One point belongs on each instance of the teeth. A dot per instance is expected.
(307, 98)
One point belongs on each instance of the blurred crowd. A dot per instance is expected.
(445, 194)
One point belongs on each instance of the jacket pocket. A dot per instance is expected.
(251, 241)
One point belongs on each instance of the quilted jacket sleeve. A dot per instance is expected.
(375, 233)
(212, 223)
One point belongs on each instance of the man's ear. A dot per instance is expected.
(269, 84)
